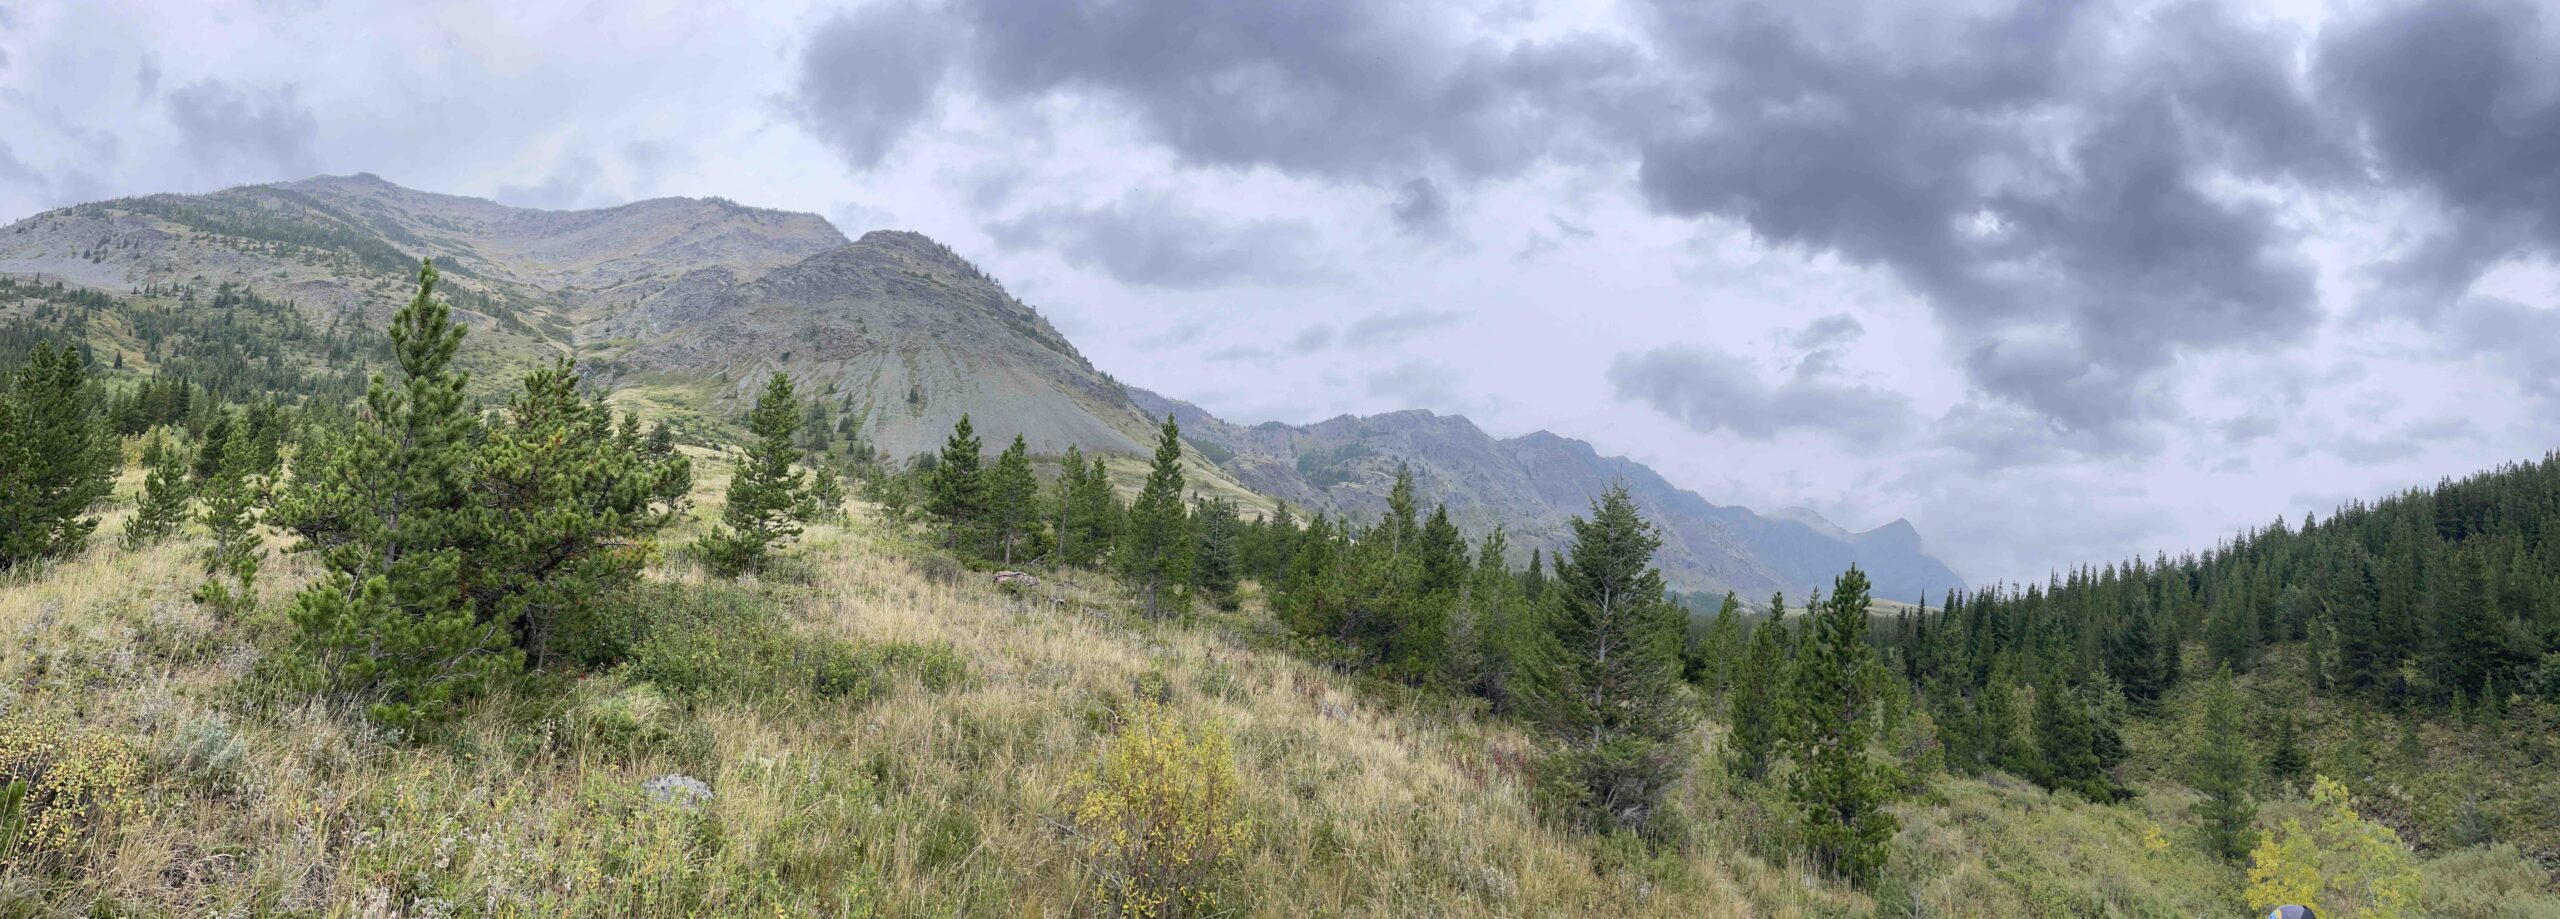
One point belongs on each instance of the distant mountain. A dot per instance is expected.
(680, 307)
(1534, 484)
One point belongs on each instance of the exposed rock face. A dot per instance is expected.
(1533, 485)
(914, 334)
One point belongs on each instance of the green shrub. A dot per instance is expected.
(1160, 817)
(708, 641)
(2488, 883)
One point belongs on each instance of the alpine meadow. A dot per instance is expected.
(578, 540)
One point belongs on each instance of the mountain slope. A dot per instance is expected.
(681, 306)
(1534, 484)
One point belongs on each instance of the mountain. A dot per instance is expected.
(1534, 484)
(680, 307)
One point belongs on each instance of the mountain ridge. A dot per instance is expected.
(1533, 484)
(682, 306)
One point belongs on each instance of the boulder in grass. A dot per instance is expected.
(1017, 580)
(678, 789)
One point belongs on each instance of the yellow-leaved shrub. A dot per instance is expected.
(1159, 816)
(73, 783)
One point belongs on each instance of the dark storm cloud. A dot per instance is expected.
(1340, 88)
(262, 133)
(1711, 391)
(2044, 186)
(1150, 240)
(2457, 98)
(1343, 88)
(869, 76)
(1420, 208)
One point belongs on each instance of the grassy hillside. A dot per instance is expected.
(938, 774)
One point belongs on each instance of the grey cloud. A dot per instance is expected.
(1237, 353)
(1312, 338)
(868, 76)
(1829, 331)
(2365, 449)
(146, 79)
(1420, 208)
(2053, 209)
(1389, 328)
(266, 132)
(2521, 340)
(2455, 97)
(16, 171)
(1712, 391)
(1342, 88)
(1150, 240)
(571, 184)
(1419, 383)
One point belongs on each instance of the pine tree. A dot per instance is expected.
(57, 457)
(957, 493)
(1614, 708)
(1443, 554)
(1013, 504)
(1756, 708)
(231, 499)
(1713, 657)
(826, 494)
(2287, 763)
(1215, 562)
(764, 492)
(1512, 632)
(1089, 512)
(388, 509)
(2219, 768)
(1840, 788)
(2077, 746)
(572, 503)
(164, 494)
(1154, 555)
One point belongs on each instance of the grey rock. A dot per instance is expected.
(679, 790)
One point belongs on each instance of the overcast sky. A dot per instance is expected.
(2057, 281)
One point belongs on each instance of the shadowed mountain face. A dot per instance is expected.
(689, 303)
(1533, 485)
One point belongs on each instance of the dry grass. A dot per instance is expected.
(918, 802)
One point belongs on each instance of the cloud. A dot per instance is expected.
(2523, 342)
(16, 171)
(1389, 328)
(2408, 441)
(1711, 391)
(572, 184)
(2054, 200)
(1827, 332)
(1339, 88)
(1420, 208)
(267, 133)
(868, 76)
(2456, 98)
(1151, 240)
(1312, 338)
(1419, 383)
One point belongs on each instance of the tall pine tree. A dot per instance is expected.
(1614, 709)
(765, 492)
(1839, 787)
(1154, 554)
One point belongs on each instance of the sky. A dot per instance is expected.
(2058, 281)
